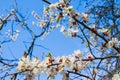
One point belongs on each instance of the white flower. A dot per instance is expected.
(36, 71)
(81, 65)
(36, 15)
(68, 32)
(74, 66)
(33, 23)
(74, 30)
(34, 67)
(103, 30)
(52, 7)
(45, 13)
(89, 56)
(51, 72)
(29, 76)
(13, 36)
(58, 25)
(110, 44)
(24, 64)
(74, 14)
(72, 23)
(62, 29)
(65, 61)
(94, 38)
(85, 17)
(34, 62)
(93, 26)
(63, 71)
(113, 42)
(78, 54)
(42, 65)
(17, 31)
(59, 60)
(43, 23)
(67, 9)
(116, 77)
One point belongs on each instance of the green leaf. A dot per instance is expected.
(57, 19)
(88, 44)
(47, 8)
(70, 9)
(109, 28)
(1, 25)
(36, 67)
(49, 55)
(82, 42)
(21, 60)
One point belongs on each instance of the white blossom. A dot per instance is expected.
(43, 23)
(13, 35)
(62, 29)
(52, 7)
(94, 38)
(85, 17)
(67, 9)
(103, 30)
(78, 54)
(116, 77)
(34, 67)
(24, 64)
(45, 13)
(36, 15)
(89, 56)
(113, 42)
(93, 26)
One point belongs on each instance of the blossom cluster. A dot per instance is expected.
(13, 35)
(116, 77)
(113, 42)
(52, 66)
(56, 13)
